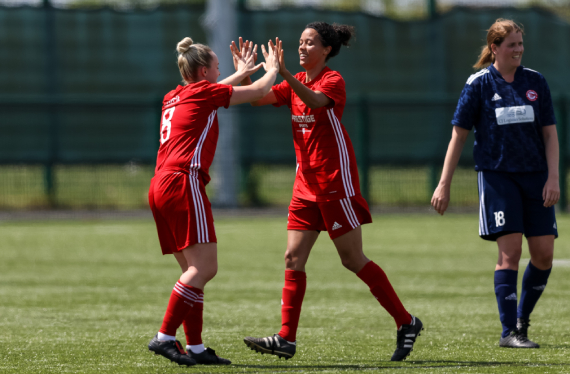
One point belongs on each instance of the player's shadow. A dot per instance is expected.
(554, 346)
(433, 364)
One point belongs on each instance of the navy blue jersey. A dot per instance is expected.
(508, 119)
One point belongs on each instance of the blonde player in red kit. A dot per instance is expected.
(177, 196)
(326, 193)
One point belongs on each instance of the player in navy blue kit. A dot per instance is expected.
(516, 159)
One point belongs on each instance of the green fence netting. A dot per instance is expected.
(80, 95)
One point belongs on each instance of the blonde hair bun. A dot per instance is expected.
(184, 45)
(190, 59)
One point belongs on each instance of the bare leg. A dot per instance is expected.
(202, 260)
(510, 249)
(299, 245)
(349, 248)
(541, 250)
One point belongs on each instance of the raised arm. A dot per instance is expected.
(313, 99)
(237, 54)
(440, 199)
(261, 87)
(244, 64)
(551, 190)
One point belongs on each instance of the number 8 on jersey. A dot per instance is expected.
(166, 124)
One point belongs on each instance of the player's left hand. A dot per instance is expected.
(245, 56)
(551, 192)
(279, 46)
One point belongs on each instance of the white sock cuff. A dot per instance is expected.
(164, 337)
(198, 348)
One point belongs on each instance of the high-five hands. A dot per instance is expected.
(245, 57)
(272, 56)
(279, 46)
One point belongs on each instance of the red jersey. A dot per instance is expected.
(326, 164)
(189, 128)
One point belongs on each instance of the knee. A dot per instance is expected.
(292, 260)
(347, 263)
(352, 263)
(210, 272)
(542, 260)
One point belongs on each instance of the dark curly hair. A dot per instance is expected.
(334, 35)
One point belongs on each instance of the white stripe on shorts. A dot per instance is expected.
(483, 226)
(349, 212)
(200, 212)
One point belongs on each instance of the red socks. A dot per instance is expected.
(193, 324)
(371, 274)
(183, 302)
(380, 286)
(292, 299)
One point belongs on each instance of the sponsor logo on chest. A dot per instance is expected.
(303, 118)
(514, 114)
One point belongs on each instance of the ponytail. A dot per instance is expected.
(334, 35)
(496, 35)
(486, 58)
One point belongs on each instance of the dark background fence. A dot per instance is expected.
(80, 94)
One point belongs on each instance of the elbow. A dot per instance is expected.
(259, 94)
(313, 104)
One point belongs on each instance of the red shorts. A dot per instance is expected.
(337, 217)
(181, 210)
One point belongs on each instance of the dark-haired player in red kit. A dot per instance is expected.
(177, 195)
(326, 193)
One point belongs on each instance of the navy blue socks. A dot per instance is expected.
(506, 292)
(534, 282)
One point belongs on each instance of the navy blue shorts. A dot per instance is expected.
(512, 202)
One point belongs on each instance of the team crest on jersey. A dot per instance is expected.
(531, 95)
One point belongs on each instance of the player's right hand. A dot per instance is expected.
(440, 199)
(271, 56)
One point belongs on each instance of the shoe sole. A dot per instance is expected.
(160, 354)
(510, 346)
(262, 350)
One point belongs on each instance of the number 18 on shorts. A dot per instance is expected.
(511, 203)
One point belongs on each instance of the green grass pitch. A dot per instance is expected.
(87, 296)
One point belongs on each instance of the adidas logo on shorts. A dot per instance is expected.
(336, 226)
(512, 296)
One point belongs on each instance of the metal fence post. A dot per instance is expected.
(432, 8)
(51, 77)
(563, 144)
(363, 148)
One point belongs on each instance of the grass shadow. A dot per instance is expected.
(434, 364)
